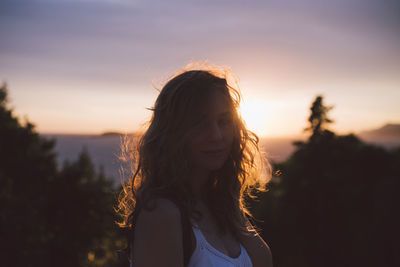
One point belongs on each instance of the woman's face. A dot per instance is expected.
(210, 140)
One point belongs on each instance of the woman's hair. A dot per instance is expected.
(158, 161)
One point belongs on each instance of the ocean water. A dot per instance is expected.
(103, 151)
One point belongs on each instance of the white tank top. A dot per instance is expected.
(207, 255)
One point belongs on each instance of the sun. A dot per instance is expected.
(255, 113)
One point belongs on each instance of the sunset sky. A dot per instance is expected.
(89, 66)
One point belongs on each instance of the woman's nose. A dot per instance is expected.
(215, 132)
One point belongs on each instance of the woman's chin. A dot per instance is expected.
(214, 165)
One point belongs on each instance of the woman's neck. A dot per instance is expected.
(198, 180)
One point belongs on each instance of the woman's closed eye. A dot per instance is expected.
(225, 121)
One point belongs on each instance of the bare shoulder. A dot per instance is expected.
(257, 248)
(161, 206)
(158, 236)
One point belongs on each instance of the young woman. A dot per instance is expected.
(194, 167)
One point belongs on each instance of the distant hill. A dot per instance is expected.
(387, 136)
(388, 131)
(105, 134)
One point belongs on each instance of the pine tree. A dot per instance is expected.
(50, 216)
(318, 119)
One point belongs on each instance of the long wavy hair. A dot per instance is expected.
(158, 161)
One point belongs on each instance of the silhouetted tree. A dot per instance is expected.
(51, 216)
(80, 214)
(27, 168)
(318, 119)
(335, 202)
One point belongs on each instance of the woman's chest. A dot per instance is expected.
(226, 243)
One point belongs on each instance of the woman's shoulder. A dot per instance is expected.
(257, 248)
(160, 208)
(158, 235)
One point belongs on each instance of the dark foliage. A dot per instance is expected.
(335, 204)
(51, 216)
